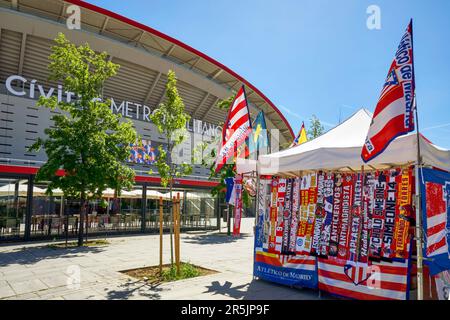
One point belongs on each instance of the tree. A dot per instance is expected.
(87, 141)
(170, 118)
(315, 128)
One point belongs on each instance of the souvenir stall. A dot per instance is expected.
(328, 221)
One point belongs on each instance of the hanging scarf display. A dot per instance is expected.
(295, 215)
(328, 207)
(356, 218)
(319, 214)
(347, 194)
(376, 238)
(237, 206)
(310, 222)
(404, 198)
(287, 214)
(304, 200)
(388, 245)
(273, 215)
(337, 211)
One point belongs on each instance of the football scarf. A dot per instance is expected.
(368, 199)
(337, 211)
(312, 199)
(287, 214)
(356, 220)
(376, 238)
(388, 246)
(263, 213)
(280, 211)
(402, 222)
(304, 201)
(273, 215)
(319, 214)
(237, 206)
(328, 207)
(347, 196)
(295, 215)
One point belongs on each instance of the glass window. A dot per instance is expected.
(13, 203)
(47, 216)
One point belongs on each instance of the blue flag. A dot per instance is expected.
(259, 138)
(230, 196)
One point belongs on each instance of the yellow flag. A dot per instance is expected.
(301, 138)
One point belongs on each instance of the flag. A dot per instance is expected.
(259, 138)
(231, 192)
(237, 205)
(301, 138)
(393, 114)
(377, 281)
(236, 129)
(435, 187)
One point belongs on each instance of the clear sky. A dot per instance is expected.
(314, 56)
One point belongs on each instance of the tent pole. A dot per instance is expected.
(419, 236)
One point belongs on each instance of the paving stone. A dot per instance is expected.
(6, 291)
(38, 272)
(28, 286)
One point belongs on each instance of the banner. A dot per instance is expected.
(287, 215)
(328, 214)
(263, 214)
(347, 195)
(237, 206)
(273, 215)
(375, 281)
(354, 225)
(405, 213)
(295, 216)
(378, 214)
(435, 193)
(292, 270)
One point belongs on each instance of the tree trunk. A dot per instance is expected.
(81, 222)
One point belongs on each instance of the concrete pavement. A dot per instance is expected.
(34, 271)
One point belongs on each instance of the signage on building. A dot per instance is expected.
(126, 108)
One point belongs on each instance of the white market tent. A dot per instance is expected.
(340, 149)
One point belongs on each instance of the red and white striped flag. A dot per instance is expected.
(376, 281)
(436, 235)
(393, 114)
(236, 129)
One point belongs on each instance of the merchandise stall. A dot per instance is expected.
(327, 220)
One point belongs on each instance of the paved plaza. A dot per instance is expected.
(35, 271)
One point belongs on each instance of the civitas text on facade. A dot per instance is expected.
(19, 86)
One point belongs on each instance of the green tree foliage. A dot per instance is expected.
(316, 129)
(87, 141)
(171, 118)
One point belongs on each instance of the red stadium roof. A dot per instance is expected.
(186, 47)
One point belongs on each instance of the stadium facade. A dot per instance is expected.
(27, 30)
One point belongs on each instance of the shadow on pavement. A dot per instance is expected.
(261, 290)
(128, 289)
(215, 238)
(32, 255)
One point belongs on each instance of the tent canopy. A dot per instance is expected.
(340, 149)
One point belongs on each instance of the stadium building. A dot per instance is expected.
(27, 30)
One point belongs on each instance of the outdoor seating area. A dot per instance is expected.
(54, 216)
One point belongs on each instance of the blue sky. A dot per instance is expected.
(314, 56)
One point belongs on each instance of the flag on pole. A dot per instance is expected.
(393, 114)
(236, 129)
(259, 138)
(301, 137)
(230, 196)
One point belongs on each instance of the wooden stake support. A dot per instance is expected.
(160, 234)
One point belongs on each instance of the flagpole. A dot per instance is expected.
(419, 233)
(418, 166)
